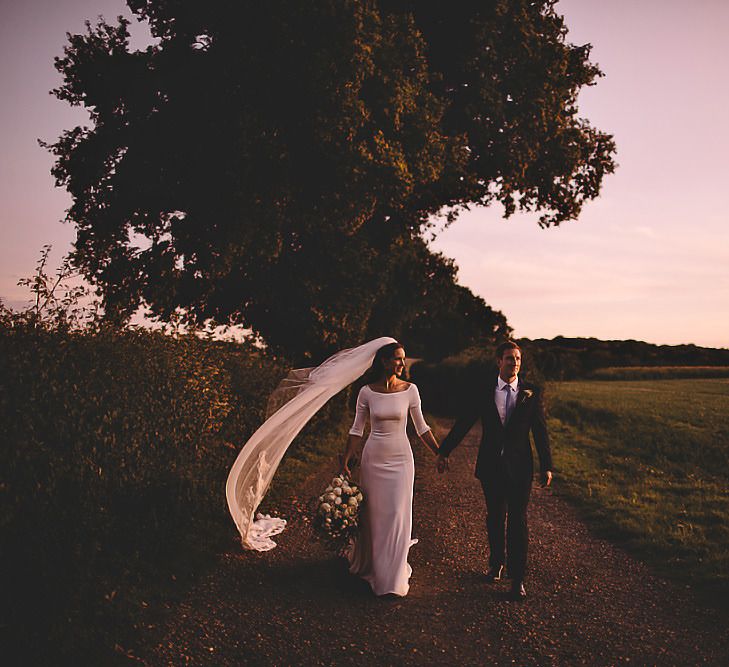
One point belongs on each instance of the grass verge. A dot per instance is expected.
(659, 372)
(647, 464)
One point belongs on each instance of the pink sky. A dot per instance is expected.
(648, 260)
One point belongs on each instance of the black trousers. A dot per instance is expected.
(506, 516)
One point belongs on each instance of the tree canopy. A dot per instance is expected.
(271, 164)
(429, 311)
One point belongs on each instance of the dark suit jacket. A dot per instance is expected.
(512, 438)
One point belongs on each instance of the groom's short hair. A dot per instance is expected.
(506, 345)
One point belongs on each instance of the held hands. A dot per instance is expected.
(441, 463)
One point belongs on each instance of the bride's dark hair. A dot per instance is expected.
(375, 371)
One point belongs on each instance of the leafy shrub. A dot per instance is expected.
(115, 450)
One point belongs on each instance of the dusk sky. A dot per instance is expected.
(647, 260)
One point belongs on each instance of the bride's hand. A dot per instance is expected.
(344, 466)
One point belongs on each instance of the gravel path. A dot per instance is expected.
(589, 603)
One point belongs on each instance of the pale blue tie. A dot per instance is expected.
(507, 404)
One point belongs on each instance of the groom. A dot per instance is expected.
(509, 410)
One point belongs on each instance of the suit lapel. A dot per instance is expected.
(520, 400)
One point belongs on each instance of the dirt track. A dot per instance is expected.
(588, 602)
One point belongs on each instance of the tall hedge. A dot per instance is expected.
(114, 451)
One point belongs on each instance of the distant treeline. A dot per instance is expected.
(572, 358)
(443, 384)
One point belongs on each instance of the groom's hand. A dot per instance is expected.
(441, 463)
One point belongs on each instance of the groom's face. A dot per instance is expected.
(509, 364)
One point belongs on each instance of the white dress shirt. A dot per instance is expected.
(500, 396)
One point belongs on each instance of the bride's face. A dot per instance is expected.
(396, 364)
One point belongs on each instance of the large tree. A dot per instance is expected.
(424, 306)
(265, 162)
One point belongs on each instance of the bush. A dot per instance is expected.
(115, 450)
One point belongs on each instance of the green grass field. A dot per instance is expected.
(659, 372)
(648, 461)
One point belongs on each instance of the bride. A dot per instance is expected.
(379, 552)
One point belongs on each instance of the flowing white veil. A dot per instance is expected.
(294, 402)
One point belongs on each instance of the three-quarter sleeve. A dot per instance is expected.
(416, 411)
(363, 412)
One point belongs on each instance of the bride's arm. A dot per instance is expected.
(357, 431)
(353, 443)
(428, 439)
(425, 433)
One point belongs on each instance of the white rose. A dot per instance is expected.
(338, 491)
(359, 497)
(328, 489)
(325, 507)
(337, 482)
(330, 497)
(354, 489)
(337, 501)
(352, 502)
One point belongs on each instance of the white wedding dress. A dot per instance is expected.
(379, 553)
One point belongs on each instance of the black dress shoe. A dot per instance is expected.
(495, 573)
(518, 592)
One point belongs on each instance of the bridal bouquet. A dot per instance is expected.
(338, 510)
